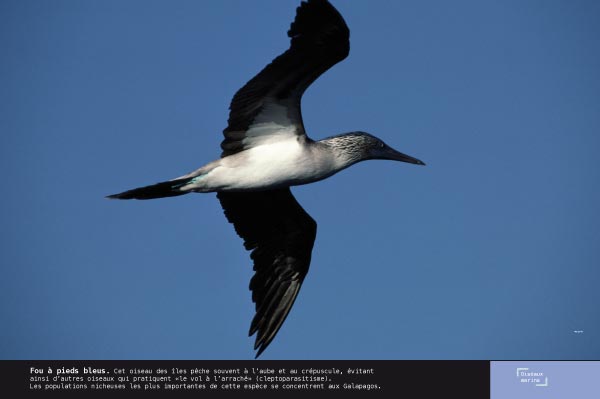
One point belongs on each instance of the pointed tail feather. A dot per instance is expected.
(169, 188)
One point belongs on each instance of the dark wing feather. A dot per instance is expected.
(319, 40)
(281, 236)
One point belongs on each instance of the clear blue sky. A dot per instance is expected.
(491, 251)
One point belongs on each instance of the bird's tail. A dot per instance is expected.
(171, 188)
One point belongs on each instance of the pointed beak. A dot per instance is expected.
(390, 153)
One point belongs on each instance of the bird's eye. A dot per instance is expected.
(381, 145)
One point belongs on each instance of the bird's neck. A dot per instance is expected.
(342, 150)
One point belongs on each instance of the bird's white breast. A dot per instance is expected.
(271, 165)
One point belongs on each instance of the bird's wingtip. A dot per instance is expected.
(260, 350)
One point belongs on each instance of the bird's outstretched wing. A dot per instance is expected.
(268, 107)
(281, 236)
(272, 223)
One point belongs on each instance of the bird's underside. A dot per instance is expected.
(265, 151)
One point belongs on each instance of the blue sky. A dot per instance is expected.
(489, 252)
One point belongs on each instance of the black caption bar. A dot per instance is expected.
(245, 378)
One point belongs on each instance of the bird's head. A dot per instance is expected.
(362, 146)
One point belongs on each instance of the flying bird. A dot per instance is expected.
(266, 151)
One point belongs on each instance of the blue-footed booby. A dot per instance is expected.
(265, 152)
